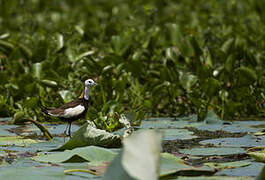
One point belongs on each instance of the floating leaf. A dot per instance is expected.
(252, 169)
(258, 156)
(31, 173)
(17, 141)
(172, 165)
(213, 151)
(245, 141)
(92, 154)
(228, 165)
(88, 135)
(173, 134)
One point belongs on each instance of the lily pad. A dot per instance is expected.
(17, 141)
(32, 173)
(235, 127)
(228, 165)
(170, 164)
(258, 156)
(213, 178)
(87, 135)
(251, 170)
(167, 123)
(92, 154)
(5, 132)
(172, 134)
(245, 141)
(213, 151)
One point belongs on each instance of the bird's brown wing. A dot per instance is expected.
(60, 111)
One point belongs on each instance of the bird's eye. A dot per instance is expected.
(89, 82)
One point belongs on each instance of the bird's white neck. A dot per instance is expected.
(86, 95)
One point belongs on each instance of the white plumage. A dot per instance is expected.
(70, 112)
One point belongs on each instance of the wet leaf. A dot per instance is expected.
(212, 151)
(32, 173)
(251, 170)
(92, 154)
(172, 165)
(258, 156)
(245, 141)
(228, 165)
(17, 141)
(213, 178)
(88, 135)
(173, 134)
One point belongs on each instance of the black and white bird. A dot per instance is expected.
(73, 110)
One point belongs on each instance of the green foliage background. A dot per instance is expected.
(155, 58)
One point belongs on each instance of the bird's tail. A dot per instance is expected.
(43, 108)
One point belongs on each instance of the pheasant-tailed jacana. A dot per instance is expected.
(73, 110)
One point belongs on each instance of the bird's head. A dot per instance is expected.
(90, 82)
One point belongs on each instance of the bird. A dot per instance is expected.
(72, 110)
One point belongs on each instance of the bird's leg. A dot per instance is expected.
(65, 132)
(66, 129)
(69, 130)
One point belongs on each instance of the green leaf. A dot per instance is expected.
(227, 45)
(6, 45)
(258, 156)
(17, 141)
(37, 70)
(140, 150)
(212, 118)
(229, 63)
(18, 118)
(172, 165)
(228, 165)
(40, 52)
(245, 141)
(211, 86)
(175, 34)
(92, 154)
(196, 46)
(188, 80)
(32, 173)
(213, 151)
(246, 75)
(49, 83)
(88, 135)
(31, 102)
(25, 51)
(60, 42)
(85, 54)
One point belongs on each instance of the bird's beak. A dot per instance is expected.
(95, 84)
